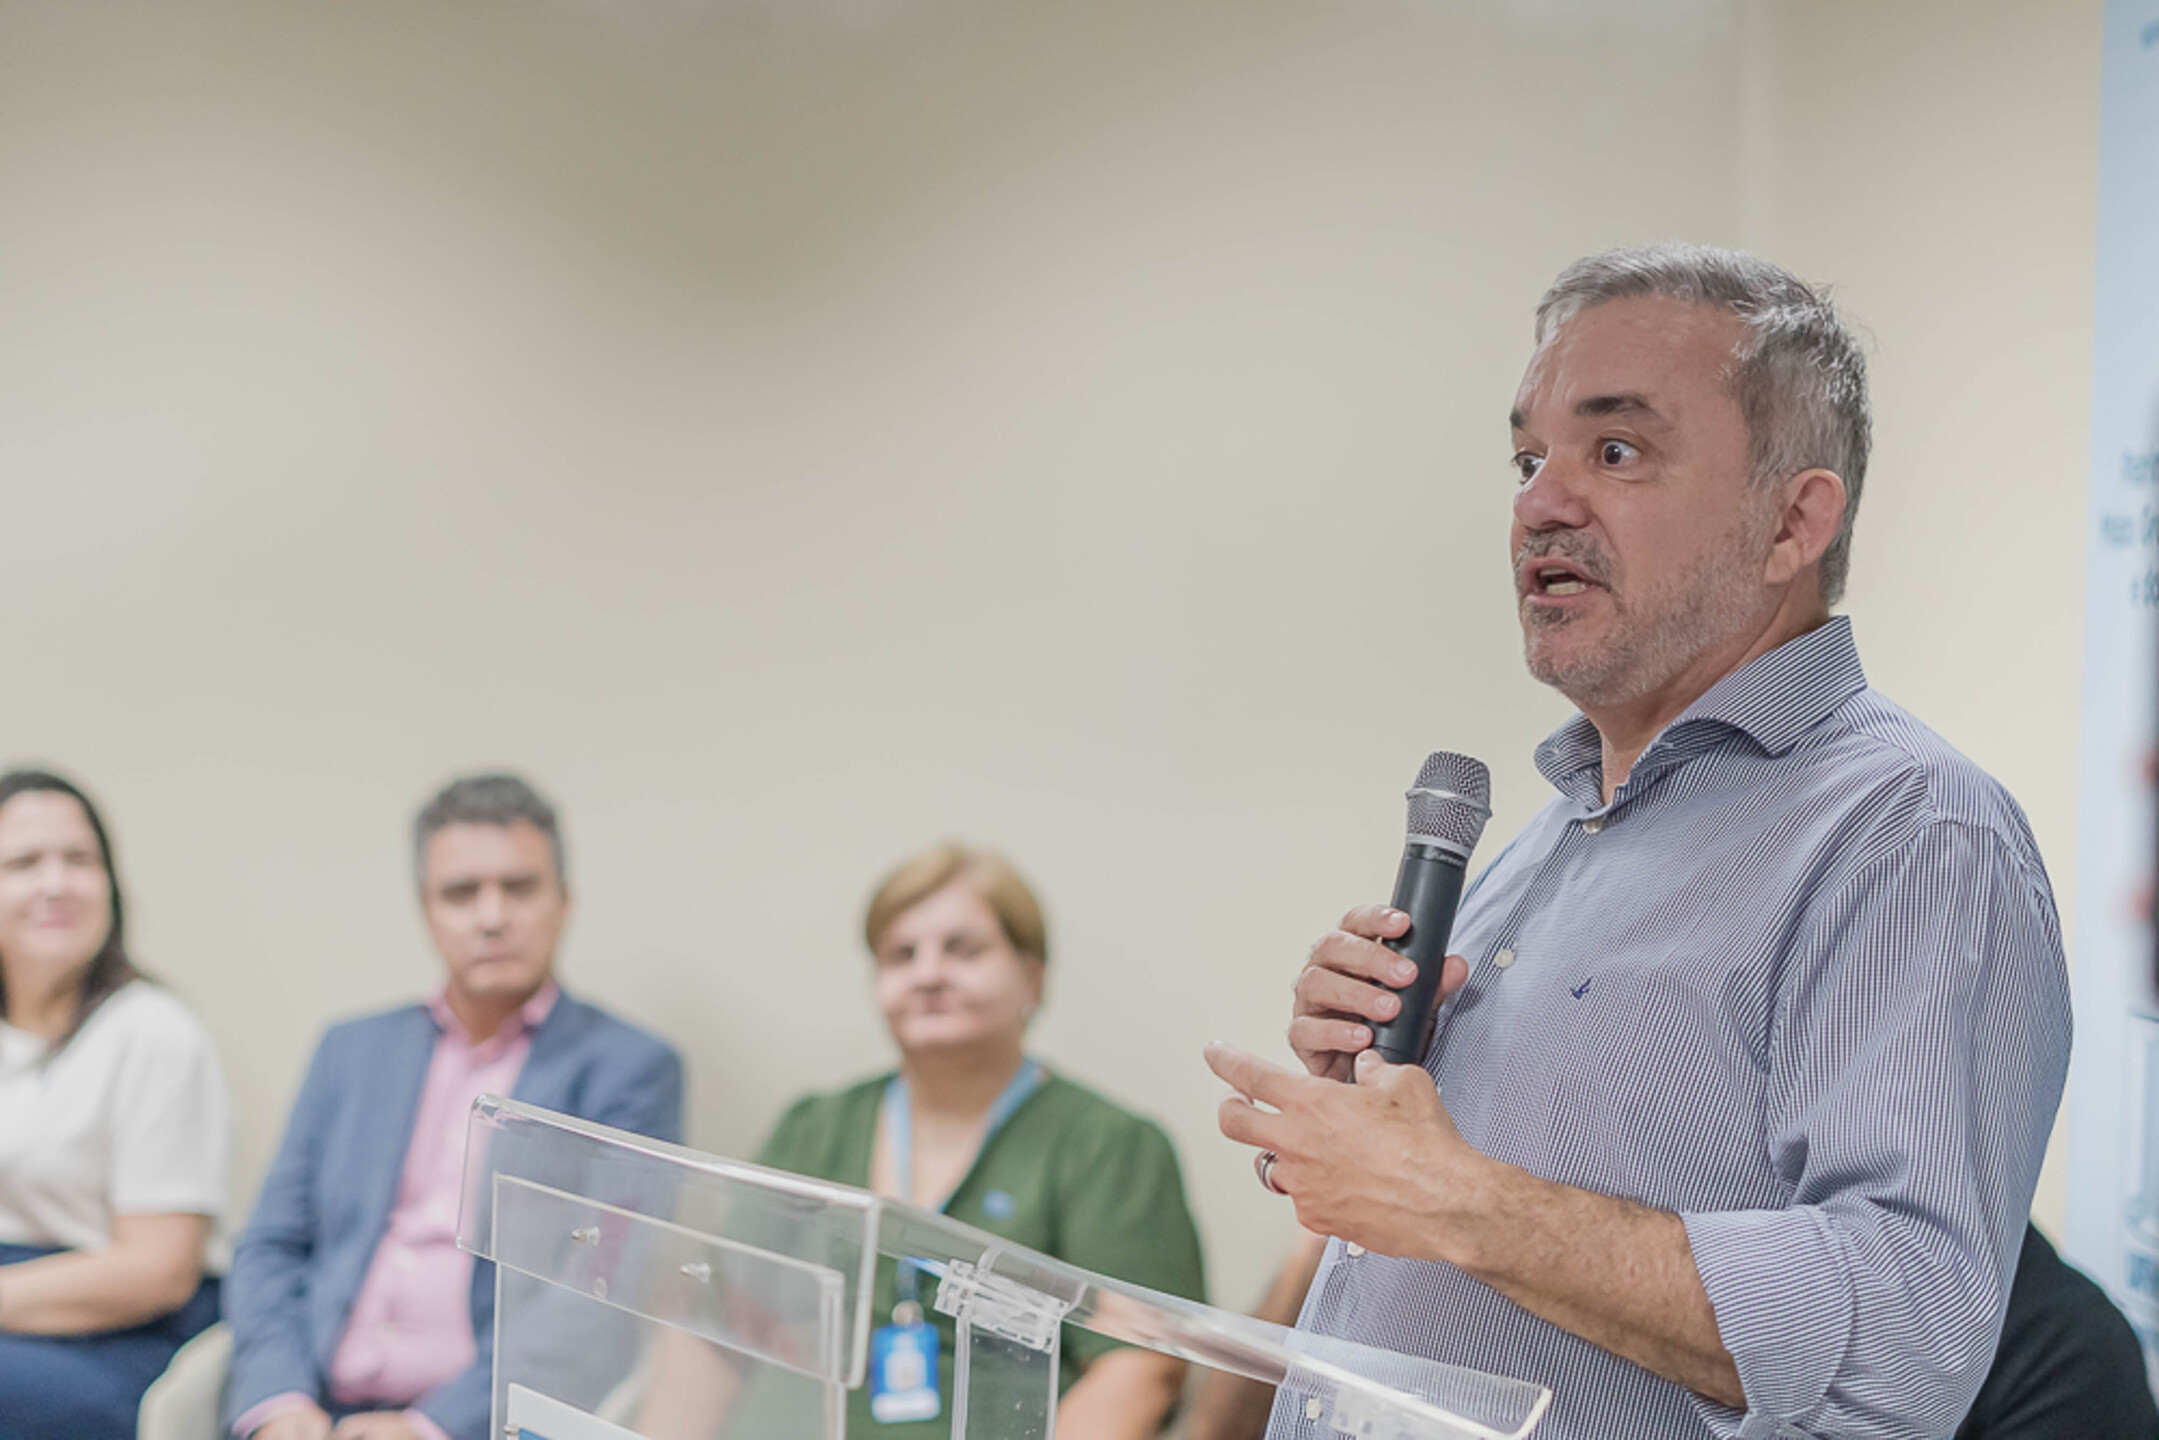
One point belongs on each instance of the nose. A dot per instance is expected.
(1552, 499)
(933, 965)
(491, 908)
(52, 878)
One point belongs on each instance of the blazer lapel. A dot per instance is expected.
(545, 1078)
(385, 1130)
(541, 1081)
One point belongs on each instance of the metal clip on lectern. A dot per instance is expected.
(613, 1251)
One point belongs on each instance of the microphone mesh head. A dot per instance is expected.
(1450, 802)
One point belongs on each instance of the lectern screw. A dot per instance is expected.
(586, 1234)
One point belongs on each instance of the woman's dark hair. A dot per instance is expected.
(110, 968)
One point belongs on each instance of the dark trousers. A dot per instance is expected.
(88, 1387)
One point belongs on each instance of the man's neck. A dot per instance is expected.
(481, 1016)
(1627, 729)
(959, 1087)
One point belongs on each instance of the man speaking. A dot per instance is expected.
(1745, 1064)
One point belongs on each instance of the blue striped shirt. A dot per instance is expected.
(1801, 982)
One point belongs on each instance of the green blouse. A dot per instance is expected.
(1070, 1174)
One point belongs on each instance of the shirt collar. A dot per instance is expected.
(529, 1017)
(1774, 699)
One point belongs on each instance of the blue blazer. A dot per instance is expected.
(326, 1202)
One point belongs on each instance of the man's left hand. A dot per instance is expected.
(1378, 1163)
(375, 1425)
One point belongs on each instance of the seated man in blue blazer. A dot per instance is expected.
(353, 1311)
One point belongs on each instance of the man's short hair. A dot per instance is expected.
(486, 800)
(1800, 378)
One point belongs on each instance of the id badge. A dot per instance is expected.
(903, 1373)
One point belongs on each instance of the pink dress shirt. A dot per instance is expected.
(411, 1324)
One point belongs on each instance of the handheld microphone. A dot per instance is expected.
(1447, 809)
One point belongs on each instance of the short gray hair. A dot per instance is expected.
(499, 799)
(1800, 377)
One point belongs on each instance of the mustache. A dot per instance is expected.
(1577, 550)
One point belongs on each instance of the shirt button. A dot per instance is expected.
(1503, 959)
(1313, 1409)
(1593, 824)
(1354, 1250)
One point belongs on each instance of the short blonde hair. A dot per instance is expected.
(987, 873)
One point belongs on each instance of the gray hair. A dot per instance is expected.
(1800, 377)
(485, 800)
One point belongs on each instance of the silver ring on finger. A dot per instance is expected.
(1263, 1165)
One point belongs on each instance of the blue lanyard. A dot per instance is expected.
(900, 1137)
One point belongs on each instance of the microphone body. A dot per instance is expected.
(1427, 889)
(1447, 809)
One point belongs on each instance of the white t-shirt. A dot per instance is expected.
(131, 1118)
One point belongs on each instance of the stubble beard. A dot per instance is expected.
(1654, 635)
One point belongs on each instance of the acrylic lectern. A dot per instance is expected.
(628, 1270)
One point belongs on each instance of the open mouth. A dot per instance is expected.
(1555, 579)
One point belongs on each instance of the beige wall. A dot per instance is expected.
(795, 432)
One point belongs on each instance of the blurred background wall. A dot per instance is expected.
(793, 432)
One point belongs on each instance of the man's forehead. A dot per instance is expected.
(1644, 357)
(479, 848)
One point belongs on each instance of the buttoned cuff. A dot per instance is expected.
(1777, 1283)
(264, 1411)
(423, 1427)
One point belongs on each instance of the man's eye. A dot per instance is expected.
(1616, 452)
(1526, 465)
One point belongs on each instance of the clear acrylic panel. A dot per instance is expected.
(648, 1291)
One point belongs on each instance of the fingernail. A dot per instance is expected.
(1362, 1036)
(1387, 1005)
(1405, 970)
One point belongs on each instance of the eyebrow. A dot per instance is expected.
(1625, 403)
(515, 877)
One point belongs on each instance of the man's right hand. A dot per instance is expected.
(1344, 989)
(307, 1422)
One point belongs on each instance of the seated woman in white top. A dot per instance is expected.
(114, 1131)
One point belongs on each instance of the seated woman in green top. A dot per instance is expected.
(969, 1124)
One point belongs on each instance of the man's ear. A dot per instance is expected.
(1810, 511)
